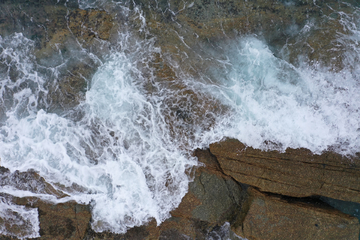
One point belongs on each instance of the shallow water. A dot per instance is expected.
(127, 145)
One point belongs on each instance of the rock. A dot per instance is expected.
(296, 172)
(17, 221)
(69, 44)
(212, 200)
(63, 221)
(213, 197)
(67, 220)
(275, 217)
(350, 208)
(28, 181)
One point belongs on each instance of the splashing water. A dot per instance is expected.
(270, 99)
(129, 150)
(22, 222)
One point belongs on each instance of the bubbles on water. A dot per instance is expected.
(127, 148)
(118, 152)
(18, 221)
(272, 100)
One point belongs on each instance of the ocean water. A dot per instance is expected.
(127, 149)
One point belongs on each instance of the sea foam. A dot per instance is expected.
(119, 152)
(128, 150)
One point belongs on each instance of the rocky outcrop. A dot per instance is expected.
(213, 197)
(61, 221)
(67, 220)
(212, 200)
(296, 172)
(268, 216)
(56, 221)
(28, 181)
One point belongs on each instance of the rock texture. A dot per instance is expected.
(29, 181)
(212, 200)
(67, 41)
(275, 217)
(279, 23)
(296, 172)
(67, 220)
(61, 221)
(213, 197)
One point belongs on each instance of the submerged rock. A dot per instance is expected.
(268, 216)
(28, 181)
(297, 31)
(69, 45)
(296, 172)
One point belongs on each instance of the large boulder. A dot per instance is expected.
(296, 172)
(268, 216)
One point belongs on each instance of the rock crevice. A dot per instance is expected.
(296, 172)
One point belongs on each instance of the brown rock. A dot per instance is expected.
(273, 217)
(63, 221)
(67, 220)
(213, 197)
(65, 42)
(296, 172)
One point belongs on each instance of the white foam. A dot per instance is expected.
(129, 151)
(271, 100)
(118, 153)
(18, 221)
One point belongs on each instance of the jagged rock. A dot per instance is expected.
(296, 172)
(213, 197)
(30, 181)
(275, 217)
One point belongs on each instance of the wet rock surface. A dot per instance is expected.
(290, 28)
(215, 196)
(69, 44)
(296, 172)
(61, 221)
(212, 200)
(29, 181)
(270, 216)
